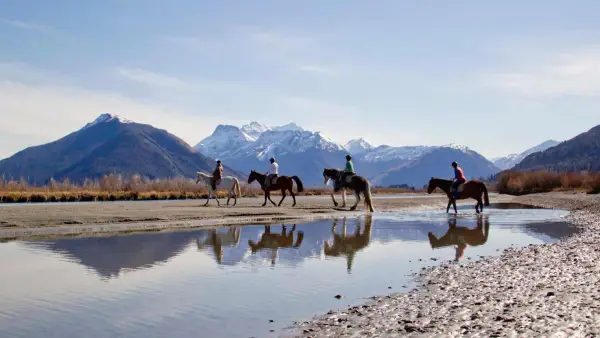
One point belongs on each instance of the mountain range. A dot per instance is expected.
(111, 144)
(306, 153)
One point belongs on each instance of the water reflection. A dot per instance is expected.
(461, 236)
(217, 240)
(273, 241)
(349, 245)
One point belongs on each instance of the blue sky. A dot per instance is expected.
(498, 77)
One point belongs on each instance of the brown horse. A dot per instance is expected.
(275, 241)
(357, 183)
(471, 189)
(344, 245)
(461, 236)
(283, 183)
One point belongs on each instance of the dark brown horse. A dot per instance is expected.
(274, 241)
(358, 184)
(471, 189)
(283, 183)
(460, 237)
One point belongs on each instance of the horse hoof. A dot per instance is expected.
(353, 208)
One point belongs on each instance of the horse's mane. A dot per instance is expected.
(203, 174)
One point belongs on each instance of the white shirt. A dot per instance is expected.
(274, 168)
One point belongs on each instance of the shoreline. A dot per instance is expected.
(43, 220)
(536, 290)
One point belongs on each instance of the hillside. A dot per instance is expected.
(577, 154)
(110, 144)
(509, 161)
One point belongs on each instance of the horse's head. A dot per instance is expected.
(252, 176)
(328, 174)
(432, 185)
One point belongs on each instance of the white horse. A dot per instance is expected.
(229, 183)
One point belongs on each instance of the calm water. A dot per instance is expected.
(230, 282)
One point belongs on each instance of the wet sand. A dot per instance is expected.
(19, 221)
(540, 290)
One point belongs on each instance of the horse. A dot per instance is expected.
(462, 236)
(282, 183)
(229, 183)
(344, 245)
(471, 189)
(357, 183)
(273, 241)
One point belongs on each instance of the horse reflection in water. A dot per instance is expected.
(274, 241)
(348, 245)
(461, 236)
(217, 240)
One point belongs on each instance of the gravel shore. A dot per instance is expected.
(540, 290)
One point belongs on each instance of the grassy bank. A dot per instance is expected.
(119, 188)
(523, 183)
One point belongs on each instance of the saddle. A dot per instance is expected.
(460, 187)
(272, 180)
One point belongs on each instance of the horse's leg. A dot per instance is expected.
(477, 206)
(234, 199)
(271, 199)
(282, 197)
(357, 194)
(265, 198)
(454, 204)
(343, 197)
(449, 204)
(293, 197)
(207, 197)
(335, 203)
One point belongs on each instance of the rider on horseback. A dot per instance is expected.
(348, 170)
(459, 178)
(217, 174)
(273, 172)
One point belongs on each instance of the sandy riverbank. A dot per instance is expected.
(539, 290)
(102, 218)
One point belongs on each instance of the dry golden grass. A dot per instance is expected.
(135, 188)
(522, 183)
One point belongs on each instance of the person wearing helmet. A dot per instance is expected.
(348, 170)
(217, 174)
(459, 178)
(273, 172)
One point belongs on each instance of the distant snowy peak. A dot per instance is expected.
(224, 141)
(254, 129)
(106, 117)
(288, 127)
(457, 147)
(358, 146)
(273, 142)
(509, 161)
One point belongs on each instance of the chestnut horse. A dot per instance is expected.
(471, 189)
(460, 236)
(283, 183)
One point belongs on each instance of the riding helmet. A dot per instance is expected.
(348, 157)
(454, 164)
(272, 159)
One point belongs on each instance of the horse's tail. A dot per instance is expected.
(486, 199)
(368, 198)
(238, 189)
(298, 183)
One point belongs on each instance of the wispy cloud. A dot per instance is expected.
(574, 73)
(28, 26)
(150, 78)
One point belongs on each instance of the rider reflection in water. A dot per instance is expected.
(460, 236)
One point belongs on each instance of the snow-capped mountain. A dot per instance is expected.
(358, 146)
(107, 117)
(254, 129)
(306, 153)
(509, 161)
(224, 142)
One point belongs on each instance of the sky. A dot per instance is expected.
(498, 77)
